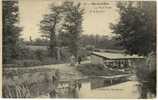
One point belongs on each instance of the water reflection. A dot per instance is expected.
(71, 89)
(78, 88)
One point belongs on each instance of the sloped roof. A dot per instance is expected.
(116, 55)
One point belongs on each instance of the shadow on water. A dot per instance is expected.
(71, 89)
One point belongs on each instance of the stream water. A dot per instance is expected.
(97, 88)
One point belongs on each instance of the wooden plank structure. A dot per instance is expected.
(102, 81)
(115, 77)
(114, 59)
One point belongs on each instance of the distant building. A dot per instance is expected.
(114, 59)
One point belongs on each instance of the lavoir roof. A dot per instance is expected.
(108, 55)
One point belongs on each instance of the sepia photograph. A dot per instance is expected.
(79, 49)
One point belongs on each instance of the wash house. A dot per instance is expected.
(119, 60)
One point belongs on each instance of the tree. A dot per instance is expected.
(62, 26)
(100, 42)
(11, 30)
(48, 27)
(72, 26)
(136, 28)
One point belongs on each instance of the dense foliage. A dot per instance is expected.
(97, 41)
(49, 28)
(63, 26)
(10, 30)
(72, 26)
(136, 28)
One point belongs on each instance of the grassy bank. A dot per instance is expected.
(26, 83)
(32, 63)
(97, 70)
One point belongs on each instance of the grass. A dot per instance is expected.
(32, 62)
(97, 70)
(26, 83)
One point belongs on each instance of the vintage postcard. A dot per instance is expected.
(79, 49)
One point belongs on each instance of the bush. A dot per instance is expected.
(48, 61)
(28, 83)
(26, 53)
(28, 63)
(40, 54)
(23, 63)
(29, 58)
(90, 47)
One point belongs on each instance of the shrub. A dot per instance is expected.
(40, 54)
(49, 60)
(18, 83)
(23, 63)
(26, 53)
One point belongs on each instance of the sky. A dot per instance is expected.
(96, 19)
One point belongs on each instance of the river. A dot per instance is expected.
(94, 89)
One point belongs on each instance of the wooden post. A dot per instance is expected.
(58, 54)
(111, 81)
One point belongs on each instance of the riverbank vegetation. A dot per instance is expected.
(26, 83)
(97, 70)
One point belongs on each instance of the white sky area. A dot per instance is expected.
(32, 11)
